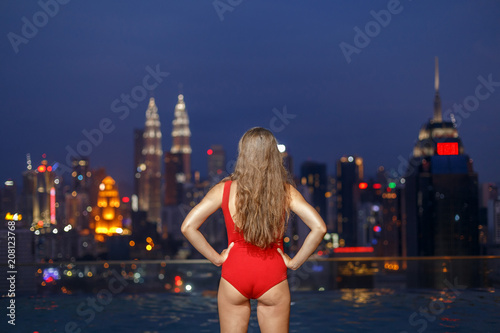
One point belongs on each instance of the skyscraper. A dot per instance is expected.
(150, 176)
(349, 174)
(180, 137)
(216, 159)
(78, 200)
(139, 164)
(173, 174)
(8, 198)
(313, 175)
(441, 198)
(39, 194)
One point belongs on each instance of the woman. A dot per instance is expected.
(256, 201)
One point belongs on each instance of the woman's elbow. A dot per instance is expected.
(185, 229)
(322, 229)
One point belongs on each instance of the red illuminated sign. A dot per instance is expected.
(354, 249)
(377, 186)
(362, 186)
(447, 148)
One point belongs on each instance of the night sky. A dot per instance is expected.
(263, 56)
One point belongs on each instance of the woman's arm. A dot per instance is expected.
(196, 217)
(314, 221)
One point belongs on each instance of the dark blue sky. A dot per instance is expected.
(263, 55)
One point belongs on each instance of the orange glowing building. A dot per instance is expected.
(107, 218)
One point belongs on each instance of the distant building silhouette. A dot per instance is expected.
(139, 162)
(78, 199)
(8, 199)
(441, 195)
(174, 178)
(313, 175)
(216, 160)
(349, 175)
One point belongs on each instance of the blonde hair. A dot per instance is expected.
(262, 196)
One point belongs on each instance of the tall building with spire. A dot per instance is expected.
(180, 138)
(150, 168)
(441, 200)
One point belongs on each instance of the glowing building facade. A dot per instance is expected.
(39, 192)
(181, 135)
(107, 217)
(149, 170)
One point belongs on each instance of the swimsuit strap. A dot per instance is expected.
(225, 196)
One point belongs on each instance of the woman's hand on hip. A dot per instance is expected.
(288, 261)
(225, 253)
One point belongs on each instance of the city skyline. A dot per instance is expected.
(371, 107)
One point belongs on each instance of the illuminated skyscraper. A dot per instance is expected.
(150, 175)
(107, 217)
(180, 138)
(39, 193)
(441, 199)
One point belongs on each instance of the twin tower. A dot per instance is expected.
(149, 153)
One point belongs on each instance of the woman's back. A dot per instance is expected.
(250, 269)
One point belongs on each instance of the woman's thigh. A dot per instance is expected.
(273, 309)
(234, 308)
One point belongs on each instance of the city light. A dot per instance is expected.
(13, 217)
(53, 205)
(354, 249)
(125, 199)
(363, 186)
(377, 186)
(281, 148)
(447, 148)
(392, 185)
(210, 152)
(377, 228)
(41, 168)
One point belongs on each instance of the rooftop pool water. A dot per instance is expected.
(344, 310)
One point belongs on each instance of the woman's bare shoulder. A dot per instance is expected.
(216, 191)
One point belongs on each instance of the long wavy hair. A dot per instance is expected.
(262, 196)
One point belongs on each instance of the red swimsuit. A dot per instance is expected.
(248, 268)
